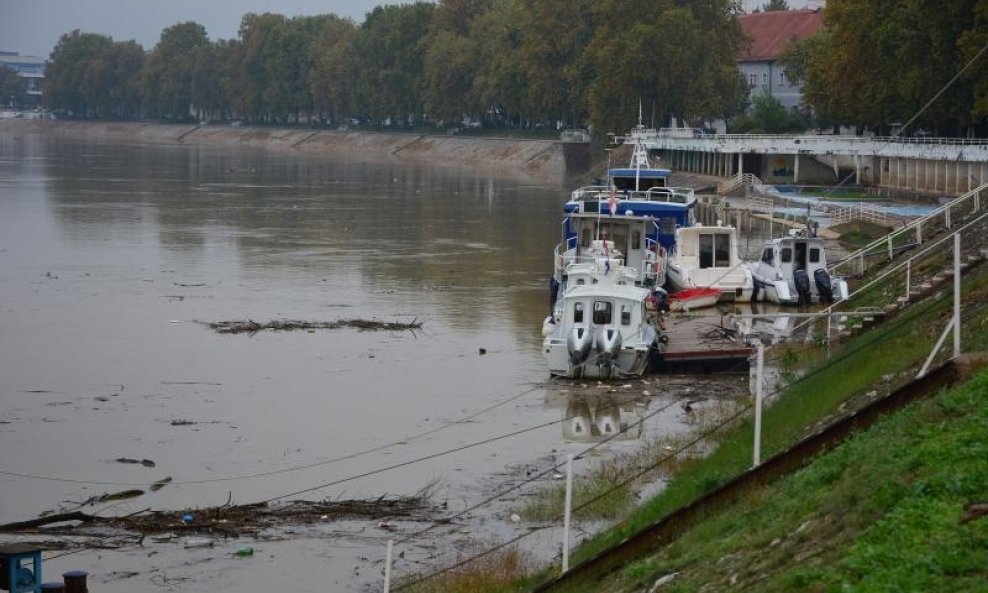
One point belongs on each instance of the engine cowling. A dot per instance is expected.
(802, 281)
(823, 285)
(578, 343)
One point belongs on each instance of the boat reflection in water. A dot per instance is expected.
(591, 418)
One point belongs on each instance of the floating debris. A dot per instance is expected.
(144, 462)
(234, 520)
(251, 326)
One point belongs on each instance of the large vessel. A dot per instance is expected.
(636, 211)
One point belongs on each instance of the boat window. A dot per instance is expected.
(578, 312)
(814, 256)
(580, 281)
(585, 237)
(636, 239)
(767, 256)
(786, 255)
(706, 251)
(625, 315)
(722, 250)
(601, 312)
(715, 250)
(667, 225)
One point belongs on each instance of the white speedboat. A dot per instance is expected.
(600, 330)
(793, 271)
(707, 257)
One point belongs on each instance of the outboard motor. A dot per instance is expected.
(802, 281)
(823, 285)
(607, 342)
(578, 343)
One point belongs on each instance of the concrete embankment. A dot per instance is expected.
(547, 160)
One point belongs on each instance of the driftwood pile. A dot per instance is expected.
(230, 520)
(251, 326)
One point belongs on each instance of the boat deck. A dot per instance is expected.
(704, 341)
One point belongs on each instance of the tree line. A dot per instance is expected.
(512, 61)
(520, 62)
(879, 62)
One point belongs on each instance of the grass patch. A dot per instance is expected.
(502, 571)
(857, 234)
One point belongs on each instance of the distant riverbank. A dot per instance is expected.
(547, 160)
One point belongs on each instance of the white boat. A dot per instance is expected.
(707, 257)
(600, 329)
(793, 271)
(691, 299)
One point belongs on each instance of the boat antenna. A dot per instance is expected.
(639, 159)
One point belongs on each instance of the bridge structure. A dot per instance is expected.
(925, 165)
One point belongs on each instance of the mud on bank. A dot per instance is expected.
(541, 159)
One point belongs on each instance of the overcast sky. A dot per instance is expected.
(32, 27)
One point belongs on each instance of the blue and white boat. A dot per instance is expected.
(636, 211)
(613, 257)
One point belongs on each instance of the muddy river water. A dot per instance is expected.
(112, 255)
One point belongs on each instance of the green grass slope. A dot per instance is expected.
(885, 511)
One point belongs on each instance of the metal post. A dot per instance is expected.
(757, 457)
(947, 217)
(957, 295)
(387, 566)
(909, 276)
(567, 512)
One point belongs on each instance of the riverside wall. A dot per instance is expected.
(546, 160)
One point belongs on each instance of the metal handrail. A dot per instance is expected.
(906, 264)
(912, 226)
(697, 133)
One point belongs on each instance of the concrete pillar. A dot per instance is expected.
(795, 169)
(970, 178)
(936, 175)
(740, 163)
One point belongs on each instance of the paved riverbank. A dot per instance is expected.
(541, 159)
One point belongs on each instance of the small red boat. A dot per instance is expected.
(694, 298)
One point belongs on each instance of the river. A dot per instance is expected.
(112, 258)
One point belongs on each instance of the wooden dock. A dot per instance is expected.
(705, 341)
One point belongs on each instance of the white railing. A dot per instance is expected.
(739, 180)
(600, 193)
(887, 243)
(858, 212)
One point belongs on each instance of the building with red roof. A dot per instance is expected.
(770, 33)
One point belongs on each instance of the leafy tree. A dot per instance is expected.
(554, 36)
(333, 79)
(500, 81)
(389, 47)
(66, 73)
(880, 61)
(168, 76)
(13, 88)
(451, 60)
(113, 81)
(210, 80)
(768, 116)
(775, 5)
(679, 57)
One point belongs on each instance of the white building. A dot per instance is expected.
(770, 33)
(30, 68)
